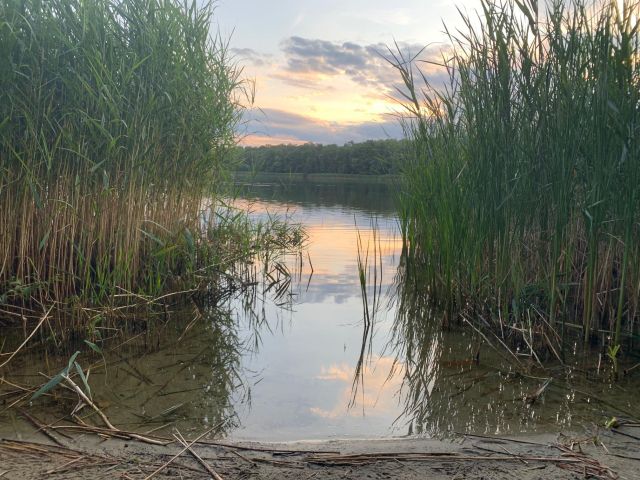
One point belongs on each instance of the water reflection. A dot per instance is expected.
(278, 360)
(367, 195)
(453, 380)
(420, 374)
(306, 368)
(184, 370)
(372, 394)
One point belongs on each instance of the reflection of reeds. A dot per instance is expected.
(267, 273)
(416, 341)
(182, 362)
(186, 369)
(522, 205)
(367, 273)
(471, 380)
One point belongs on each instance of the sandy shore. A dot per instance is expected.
(613, 455)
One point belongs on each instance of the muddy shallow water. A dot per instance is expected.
(278, 364)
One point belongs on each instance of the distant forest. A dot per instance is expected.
(373, 157)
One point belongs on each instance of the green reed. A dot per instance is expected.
(523, 203)
(369, 264)
(115, 121)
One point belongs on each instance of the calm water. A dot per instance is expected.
(280, 364)
(306, 363)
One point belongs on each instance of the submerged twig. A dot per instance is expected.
(15, 352)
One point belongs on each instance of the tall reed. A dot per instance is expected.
(523, 204)
(115, 120)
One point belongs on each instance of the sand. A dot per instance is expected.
(613, 455)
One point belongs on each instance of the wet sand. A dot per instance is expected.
(613, 455)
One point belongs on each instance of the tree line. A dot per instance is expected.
(373, 157)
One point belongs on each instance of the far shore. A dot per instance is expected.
(325, 177)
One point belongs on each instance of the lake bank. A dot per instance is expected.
(315, 177)
(603, 455)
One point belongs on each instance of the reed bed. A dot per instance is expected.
(522, 207)
(116, 119)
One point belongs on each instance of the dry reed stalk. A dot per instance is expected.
(206, 466)
(172, 459)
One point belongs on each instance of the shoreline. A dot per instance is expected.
(526, 457)
(315, 177)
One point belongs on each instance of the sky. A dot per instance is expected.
(318, 67)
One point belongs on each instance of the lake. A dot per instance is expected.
(280, 361)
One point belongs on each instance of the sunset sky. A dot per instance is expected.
(316, 64)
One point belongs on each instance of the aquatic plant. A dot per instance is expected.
(370, 280)
(523, 203)
(115, 122)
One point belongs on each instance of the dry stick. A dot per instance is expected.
(15, 352)
(279, 463)
(490, 437)
(9, 393)
(41, 427)
(515, 455)
(104, 418)
(491, 344)
(186, 467)
(615, 430)
(108, 432)
(362, 459)
(168, 462)
(268, 450)
(159, 428)
(155, 300)
(15, 385)
(62, 467)
(46, 448)
(206, 466)
(189, 325)
(253, 464)
(15, 402)
(624, 456)
(7, 312)
(88, 401)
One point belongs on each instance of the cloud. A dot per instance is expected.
(279, 124)
(326, 69)
(367, 65)
(307, 55)
(301, 81)
(252, 56)
(342, 373)
(380, 393)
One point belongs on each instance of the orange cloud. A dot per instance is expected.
(379, 391)
(328, 92)
(335, 372)
(255, 140)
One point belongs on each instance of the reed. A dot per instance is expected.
(115, 122)
(523, 203)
